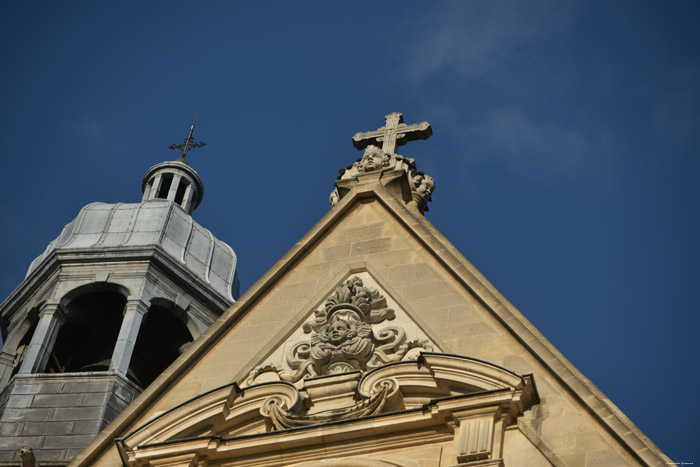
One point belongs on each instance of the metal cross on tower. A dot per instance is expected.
(395, 133)
(189, 142)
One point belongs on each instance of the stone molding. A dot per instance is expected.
(415, 188)
(254, 425)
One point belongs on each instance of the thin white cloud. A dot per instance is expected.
(473, 37)
(675, 114)
(537, 148)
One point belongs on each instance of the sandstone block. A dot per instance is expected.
(370, 246)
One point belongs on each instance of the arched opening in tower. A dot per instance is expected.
(162, 338)
(20, 345)
(164, 187)
(88, 335)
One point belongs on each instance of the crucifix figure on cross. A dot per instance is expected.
(395, 133)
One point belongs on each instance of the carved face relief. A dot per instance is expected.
(338, 331)
(421, 190)
(373, 159)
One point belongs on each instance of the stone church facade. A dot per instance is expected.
(372, 342)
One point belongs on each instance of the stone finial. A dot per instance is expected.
(396, 172)
(422, 186)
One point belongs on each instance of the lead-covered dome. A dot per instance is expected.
(157, 222)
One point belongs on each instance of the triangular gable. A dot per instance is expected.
(392, 334)
(371, 231)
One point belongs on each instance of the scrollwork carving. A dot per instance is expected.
(280, 418)
(342, 337)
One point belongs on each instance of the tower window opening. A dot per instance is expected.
(162, 338)
(180, 195)
(164, 187)
(22, 347)
(87, 338)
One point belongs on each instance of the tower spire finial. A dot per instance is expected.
(189, 142)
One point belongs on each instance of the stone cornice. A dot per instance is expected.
(155, 255)
(445, 392)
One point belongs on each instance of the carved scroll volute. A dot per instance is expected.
(385, 396)
(271, 410)
(393, 399)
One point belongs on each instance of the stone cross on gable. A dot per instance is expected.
(395, 133)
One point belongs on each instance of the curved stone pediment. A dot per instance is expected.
(435, 390)
(226, 411)
(437, 375)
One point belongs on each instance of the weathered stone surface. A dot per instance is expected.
(11, 443)
(94, 398)
(57, 400)
(59, 409)
(82, 427)
(46, 428)
(77, 413)
(19, 402)
(68, 441)
(10, 428)
(27, 414)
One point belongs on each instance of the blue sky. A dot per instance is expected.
(565, 148)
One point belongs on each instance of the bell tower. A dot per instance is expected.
(111, 303)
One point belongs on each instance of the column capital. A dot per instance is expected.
(136, 304)
(51, 318)
(54, 309)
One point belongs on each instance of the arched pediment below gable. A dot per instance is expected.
(258, 420)
(347, 462)
(436, 375)
(225, 411)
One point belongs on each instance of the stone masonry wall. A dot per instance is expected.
(58, 415)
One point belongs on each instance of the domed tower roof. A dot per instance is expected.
(110, 228)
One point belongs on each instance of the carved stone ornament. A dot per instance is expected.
(374, 160)
(342, 337)
(387, 166)
(465, 404)
(281, 418)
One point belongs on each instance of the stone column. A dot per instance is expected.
(146, 192)
(51, 317)
(187, 199)
(173, 187)
(134, 312)
(7, 361)
(155, 187)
